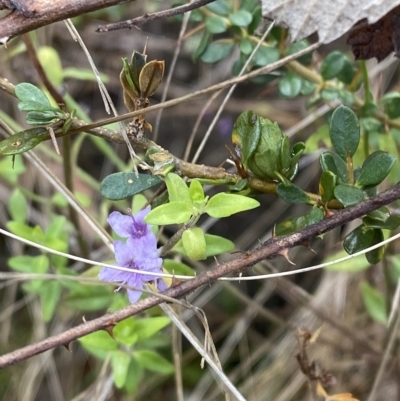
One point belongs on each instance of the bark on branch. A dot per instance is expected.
(27, 15)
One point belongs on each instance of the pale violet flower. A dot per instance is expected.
(138, 252)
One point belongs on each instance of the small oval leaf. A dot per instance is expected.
(224, 205)
(375, 168)
(170, 213)
(348, 195)
(121, 185)
(292, 193)
(345, 131)
(194, 243)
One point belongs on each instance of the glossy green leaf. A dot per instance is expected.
(216, 24)
(327, 185)
(345, 131)
(241, 18)
(292, 193)
(374, 303)
(391, 104)
(150, 360)
(376, 255)
(194, 243)
(17, 206)
(392, 222)
(224, 205)
(332, 65)
(359, 239)
(348, 194)
(375, 168)
(290, 85)
(335, 164)
(347, 72)
(170, 213)
(216, 52)
(120, 363)
(121, 185)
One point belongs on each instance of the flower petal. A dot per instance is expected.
(123, 254)
(121, 224)
(134, 295)
(113, 275)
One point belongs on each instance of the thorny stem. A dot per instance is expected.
(270, 249)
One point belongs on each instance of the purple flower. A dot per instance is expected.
(138, 252)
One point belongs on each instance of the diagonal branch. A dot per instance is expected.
(268, 250)
(151, 17)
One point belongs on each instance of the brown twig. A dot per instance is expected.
(36, 13)
(151, 17)
(269, 249)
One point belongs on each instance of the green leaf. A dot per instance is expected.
(89, 298)
(30, 93)
(224, 205)
(179, 268)
(177, 189)
(171, 213)
(375, 168)
(150, 360)
(290, 85)
(221, 7)
(292, 193)
(196, 192)
(120, 363)
(348, 195)
(332, 65)
(121, 185)
(51, 63)
(135, 374)
(299, 222)
(332, 162)
(391, 104)
(215, 245)
(194, 243)
(392, 222)
(11, 168)
(347, 72)
(23, 141)
(358, 240)
(216, 52)
(216, 24)
(241, 18)
(42, 117)
(266, 55)
(17, 206)
(245, 46)
(50, 293)
(99, 339)
(374, 303)
(29, 264)
(148, 327)
(376, 255)
(327, 185)
(202, 45)
(296, 47)
(83, 74)
(345, 131)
